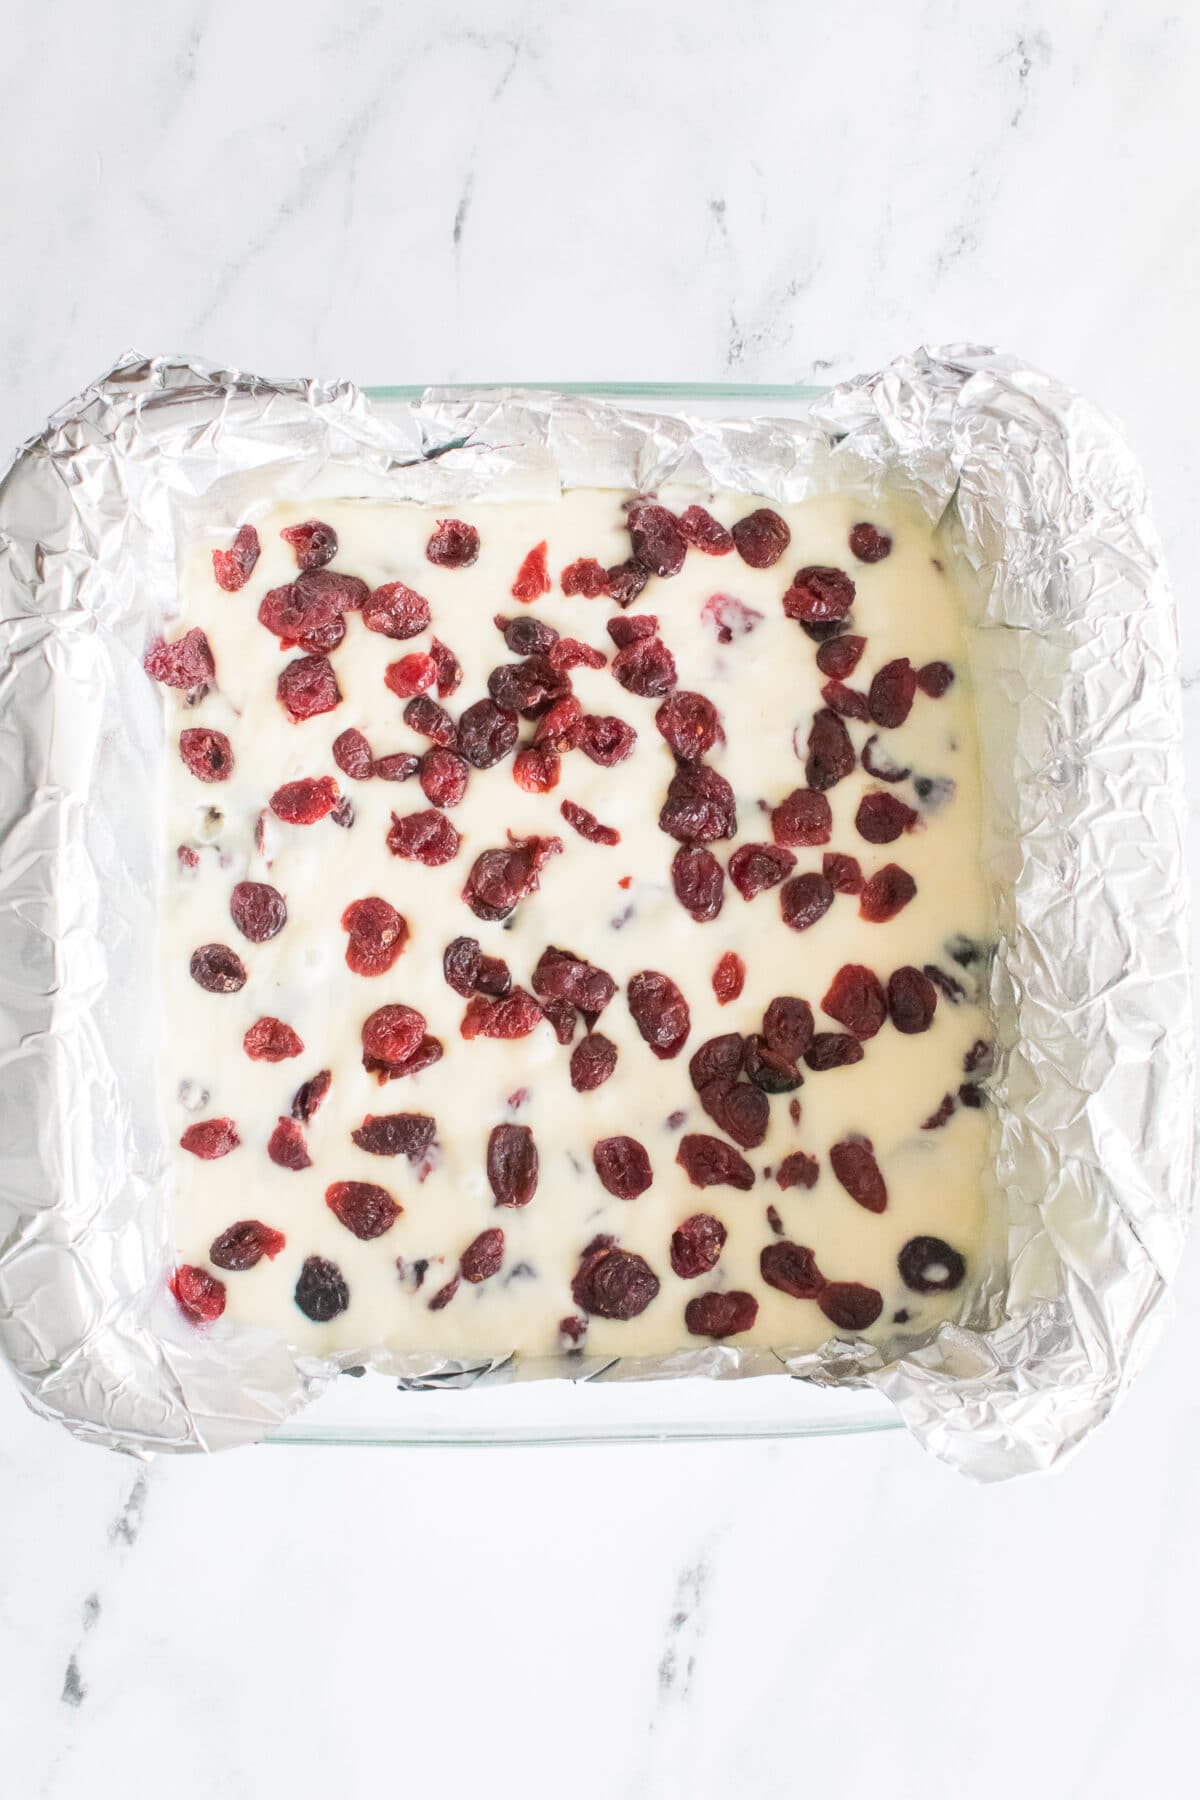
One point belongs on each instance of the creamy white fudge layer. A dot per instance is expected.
(611, 905)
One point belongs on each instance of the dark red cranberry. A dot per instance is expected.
(847, 702)
(728, 978)
(892, 693)
(208, 754)
(308, 686)
(187, 663)
(774, 1221)
(623, 1167)
(690, 723)
(804, 900)
(605, 740)
(493, 977)
(396, 611)
(562, 975)
(711, 1162)
(696, 1246)
(512, 1165)
(449, 669)
(970, 1094)
(819, 596)
(934, 679)
(499, 879)
(400, 765)
(613, 1283)
(533, 578)
(788, 1026)
(699, 807)
(842, 872)
(941, 1116)
(798, 1170)
(792, 1268)
(869, 544)
(312, 619)
(460, 965)
(718, 1059)
(487, 733)
(234, 567)
(483, 1256)
(699, 882)
(217, 969)
(443, 777)
(741, 1111)
(849, 1305)
(270, 1040)
(840, 656)
(853, 1162)
(362, 1207)
(210, 1138)
(928, 1265)
(515, 1015)
(912, 1000)
(887, 892)
(659, 1011)
(657, 542)
(321, 1291)
(245, 1244)
(804, 818)
(395, 1134)
(720, 1315)
(881, 818)
(945, 984)
(454, 545)
(592, 1062)
(856, 1000)
(424, 837)
(761, 538)
(625, 582)
(314, 543)
(646, 668)
(352, 754)
(768, 1070)
(830, 752)
(305, 802)
(286, 1146)
(430, 720)
(588, 825)
(756, 867)
(526, 636)
(258, 910)
(306, 1101)
(705, 533)
(833, 1050)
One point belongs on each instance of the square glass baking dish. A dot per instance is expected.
(369, 1408)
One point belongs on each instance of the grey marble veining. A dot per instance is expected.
(780, 190)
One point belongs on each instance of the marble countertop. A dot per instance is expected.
(449, 191)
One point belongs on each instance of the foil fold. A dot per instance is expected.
(1074, 649)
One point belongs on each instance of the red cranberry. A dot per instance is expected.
(853, 1162)
(208, 754)
(305, 802)
(830, 752)
(211, 1138)
(711, 1162)
(788, 1026)
(314, 544)
(847, 702)
(605, 740)
(352, 754)
(308, 686)
(217, 969)
(512, 1165)
(270, 1040)
(869, 544)
(377, 934)
(849, 1305)
(881, 818)
(395, 1134)
(588, 825)
(646, 668)
(934, 679)
(362, 1207)
(592, 1062)
(699, 882)
(625, 582)
(533, 579)
(454, 545)
(892, 693)
(755, 867)
(696, 1246)
(833, 1050)
(690, 724)
(720, 1315)
(234, 567)
(584, 577)
(483, 1256)
(705, 533)
(761, 538)
(258, 910)
(842, 873)
(623, 1167)
(856, 1000)
(819, 596)
(659, 1011)
(396, 611)
(792, 1268)
(729, 977)
(200, 1296)
(840, 656)
(286, 1146)
(187, 663)
(424, 837)
(804, 818)
(245, 1244)
(887, 892)
(798, 1170)
(804, 900)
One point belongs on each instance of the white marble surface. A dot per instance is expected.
(441, 191)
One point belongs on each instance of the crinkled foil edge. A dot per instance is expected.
(1074, 643)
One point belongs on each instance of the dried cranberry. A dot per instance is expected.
(729, 976)
(881, 818)
(879, 764)
(533, 579)
(887, 892)
(774, 1220)
(690, 724)
(612, 1283)
(627, 628)
(945, 984)
(342, 814)
(217, 969)
(720, 1315)
(912, 1000)
(730, 618)
(718, 1059)
(562, 975)
(892, 692)
(445, 1294)
(869, 544)
(788, 1026)
(430, 720)
(856, 1000)
(270, 1040)
(460, 965)
(208, 754)
(483, 1256)
(592, 1062)
(756, 867)
(941, 1116)
(410, 675)
(840, 656)
(645, 667)
(324, 592)
(258, 910)
(526, 636)
(798, 1170)
(819, 596)
(792, 1268)
(928, 1265)
(804, 900)
(847, 702)
(833, 1050)
(427, 1052)
(558, 729)
(391, 1033)
(245, 1244)
(321, 1291)
(377, 935)
(424, 837)
(659, 1011)
(623, 1167)
(830, 752)
(306, 1100)
(400, 765)
(821, 633)
(188, 858)
(768, 1069)
(352, 754)
(396, 611)
(308, 686)
(315, 544)
(486, 733)
(210, 1138)
(233, 567)
(934, 679)
(979, 1056)
(696, 1245)
(606, 740)
(804, 818)
(562, 1017)
(625, 582)
(699, 882)
(449, 669)
(537, 770)
(304, 802)
(200, 1296)
(699, 807)
(395, 1134)
(530, 687)
(586, 577)
(514, 1016)
(443, 777)
(512, 1165)
(454, 545)
(739, 1110)
(366, 1210)
(761, 538)
(286, 1146)
(588, 825)
(657, 542)
(569, 653)
(493, 977)
(187, 663)
(711, 1162)
(842, 873)
(970, 1095)
(849, 1305)
(698, 528)
(853, 1162)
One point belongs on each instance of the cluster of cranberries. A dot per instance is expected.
(734, 1075)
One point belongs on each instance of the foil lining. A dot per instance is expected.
(1074, 648)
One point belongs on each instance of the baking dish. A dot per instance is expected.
(370, 1409)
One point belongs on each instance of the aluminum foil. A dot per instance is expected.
(1073, 646)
